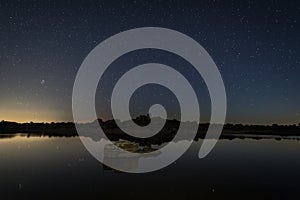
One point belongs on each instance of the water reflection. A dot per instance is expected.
(113, 156)
(5, 136)
(42, 167)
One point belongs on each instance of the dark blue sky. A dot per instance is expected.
(255, 44)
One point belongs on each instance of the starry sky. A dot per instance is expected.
(255, 45)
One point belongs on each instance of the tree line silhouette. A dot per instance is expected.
(113, 132)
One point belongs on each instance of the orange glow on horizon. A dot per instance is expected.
(23, 116)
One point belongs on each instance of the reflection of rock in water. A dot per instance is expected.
(124, 163)
(113, 156)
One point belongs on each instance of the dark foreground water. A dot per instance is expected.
(61, 168)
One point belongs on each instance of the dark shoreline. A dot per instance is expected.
(67, 129)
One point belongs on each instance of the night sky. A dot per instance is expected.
(255, 45)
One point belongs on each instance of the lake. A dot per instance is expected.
(57, 167)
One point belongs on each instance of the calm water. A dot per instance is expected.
(39, 167)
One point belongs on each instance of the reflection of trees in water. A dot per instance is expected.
(167, 134)
(4, 136)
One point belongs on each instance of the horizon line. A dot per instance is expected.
(233, 123)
